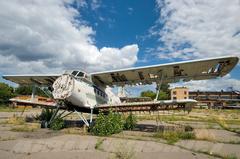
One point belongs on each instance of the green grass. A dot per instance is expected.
(25, 128)
(7, 138)
(75, 131)
(15, 121)
(99, 143)
(224, 125)
(22, 129)
(123, 152)
(173, 136)
(231, 156)
(230, 116)
(8, 109)
(140, 138)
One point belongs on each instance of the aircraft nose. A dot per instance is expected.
(63, 87)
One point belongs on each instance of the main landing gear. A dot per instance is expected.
(57, 115)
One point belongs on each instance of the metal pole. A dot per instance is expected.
(91, 115)
(158, 88)
(33, 92)
(83, 118)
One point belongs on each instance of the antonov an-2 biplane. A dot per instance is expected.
(82, 92)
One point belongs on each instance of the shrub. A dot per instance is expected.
(130, 122)
(45, 115)
(57, 124)
(188, 128)
(106, 125)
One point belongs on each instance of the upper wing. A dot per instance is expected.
(168, 73)
(43, 80)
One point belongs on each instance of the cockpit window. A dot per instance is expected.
(80, 74)
(74, 73)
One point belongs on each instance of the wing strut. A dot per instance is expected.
(91, 116)
(82, 117)
(33, 92)
(159, 84)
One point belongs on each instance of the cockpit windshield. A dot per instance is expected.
(74, 73)
(80, 74)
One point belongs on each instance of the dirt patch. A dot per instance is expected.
(217, 135)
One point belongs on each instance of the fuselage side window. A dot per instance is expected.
(99, 92)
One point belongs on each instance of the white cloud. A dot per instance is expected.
(211, 85)
(191, 29)
(207, 28)
(95, 4)
(130, 10)
(48, 36)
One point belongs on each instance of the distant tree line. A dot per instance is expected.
(164, 93)
(7, 92)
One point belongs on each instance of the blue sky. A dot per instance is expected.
(118, 23)
(95, 35)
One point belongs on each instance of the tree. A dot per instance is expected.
(148, 93)
(164, 93)
(6, 92)
(27, 90)
(165, 88)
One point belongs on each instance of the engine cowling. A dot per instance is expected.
(67, 88)
(63, 87)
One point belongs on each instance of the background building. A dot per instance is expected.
(209, 99)
(179, 93)
(214, 99)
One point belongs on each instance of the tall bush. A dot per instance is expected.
(130, 122)
(57, 124)
(106, 125)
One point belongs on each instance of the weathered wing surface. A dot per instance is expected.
(168, 73)
(42, 80)
(34, 103)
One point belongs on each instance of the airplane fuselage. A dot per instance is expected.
(81, 91)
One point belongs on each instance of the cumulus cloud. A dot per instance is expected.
(224, 83)
(198, 28)
(50, 36)
(191, 29)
